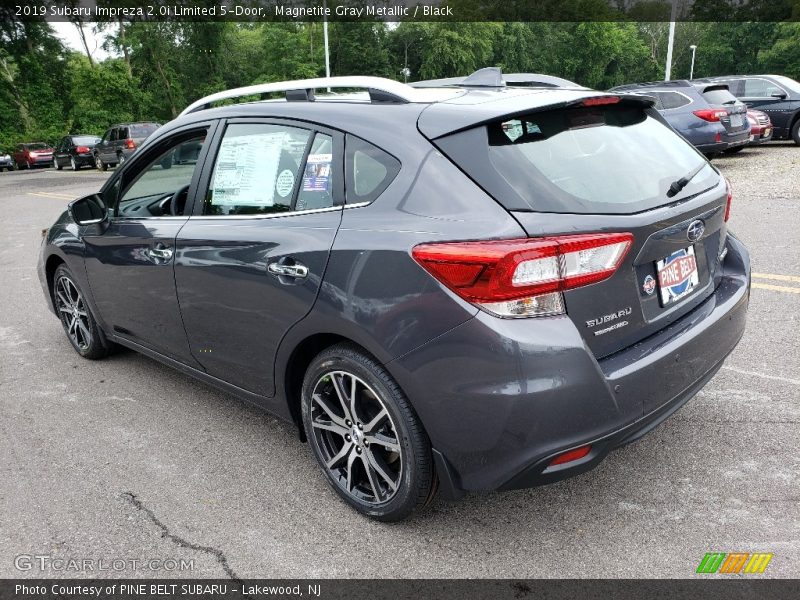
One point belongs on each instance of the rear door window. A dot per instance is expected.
(264, 169)
(605, 160)
(671, 100)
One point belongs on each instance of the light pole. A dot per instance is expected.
(691, 69)
(670, 40)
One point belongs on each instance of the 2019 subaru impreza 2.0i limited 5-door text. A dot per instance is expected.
(464, 288)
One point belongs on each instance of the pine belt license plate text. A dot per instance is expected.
(677, 275)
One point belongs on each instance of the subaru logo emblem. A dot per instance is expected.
(696, 230)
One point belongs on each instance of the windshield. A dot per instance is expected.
(594, 160)
(788, 83)
(85, 140)
(37, 146)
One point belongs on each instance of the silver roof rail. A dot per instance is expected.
(379, 88)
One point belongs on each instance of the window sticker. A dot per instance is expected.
(317, 176)
(285, 183)
(246, 171)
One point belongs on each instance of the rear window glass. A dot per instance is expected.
(719, 97)
(603, 160)
(37, 146)
(142, 130)
(85, 139)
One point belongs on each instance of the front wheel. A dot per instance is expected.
(56, 165)
(796, 131)
(79, 324)
(365, 435)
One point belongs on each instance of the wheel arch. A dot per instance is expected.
(51, 264)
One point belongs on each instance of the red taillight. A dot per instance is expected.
(710, 114)
(570, 455)
(130, 144)
(82, 149)
(729, 189)
(523, 277)
(601, 100)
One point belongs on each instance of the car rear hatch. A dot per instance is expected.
(602, 165)
(733, 115)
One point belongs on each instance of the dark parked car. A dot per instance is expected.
(120, 141)
(473, 288)
(706, 114)
(776, 95)
(6, 162)
(75, 151)
(32, 154)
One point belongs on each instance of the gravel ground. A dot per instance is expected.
(127, 459)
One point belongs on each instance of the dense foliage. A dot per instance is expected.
(47, 90)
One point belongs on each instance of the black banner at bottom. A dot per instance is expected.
(399, 589)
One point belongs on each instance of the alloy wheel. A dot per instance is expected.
(73, 313)
(357, 438)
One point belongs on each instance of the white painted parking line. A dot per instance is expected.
(762, 375)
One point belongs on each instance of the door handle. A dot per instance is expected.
(297, 270)
(157, 253)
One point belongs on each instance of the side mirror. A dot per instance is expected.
(780, 95)
(88, 210)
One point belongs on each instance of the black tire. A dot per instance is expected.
(56, 164)
(120, 160)
(74, 164)
(79, 324)
(99, 164)
(395, 443)
(796, 131)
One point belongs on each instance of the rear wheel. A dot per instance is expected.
(75, 166)
(120, 159)
(365, 436)
(56, 164)
(98, 162)
(796, 131)
(80, 326)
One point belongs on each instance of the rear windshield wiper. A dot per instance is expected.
(676, 186)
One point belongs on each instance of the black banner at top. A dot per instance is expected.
(402, 10)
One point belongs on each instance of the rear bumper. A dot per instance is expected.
(500, 398)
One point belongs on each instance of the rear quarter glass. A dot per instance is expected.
(617, 159)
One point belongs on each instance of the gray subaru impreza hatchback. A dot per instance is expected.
(475, 287)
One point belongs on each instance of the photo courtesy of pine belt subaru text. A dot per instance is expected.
(446, 289)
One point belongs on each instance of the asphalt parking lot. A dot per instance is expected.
(127, 459)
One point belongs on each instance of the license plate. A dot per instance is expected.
(736, 121)
(677, 275)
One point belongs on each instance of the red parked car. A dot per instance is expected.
(760, 130)
(760, 126)
(33, 154)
